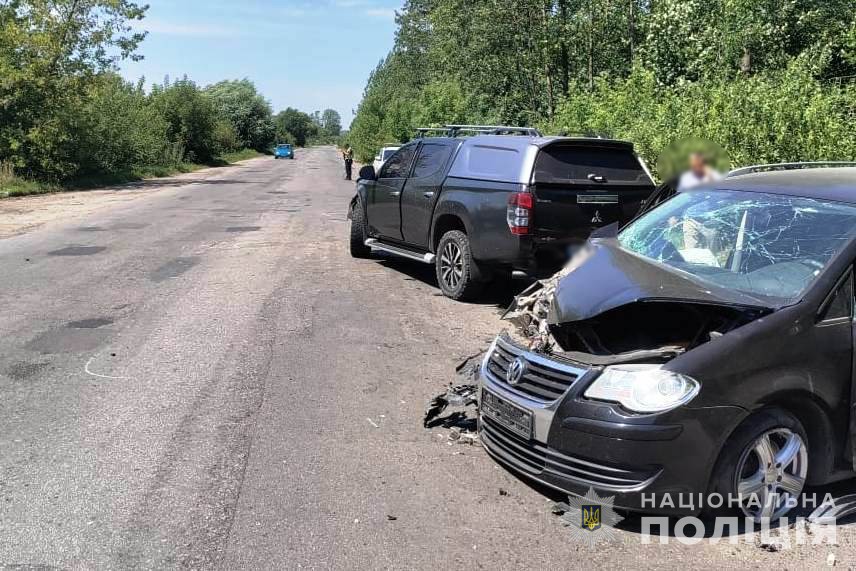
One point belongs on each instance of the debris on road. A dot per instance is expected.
(463, 436)
(773, 546)
(464, 397)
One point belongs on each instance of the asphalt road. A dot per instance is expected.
(195, 374)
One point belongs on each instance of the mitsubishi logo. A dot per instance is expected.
(515, 371)
(597, 219)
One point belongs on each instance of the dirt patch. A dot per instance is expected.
(92, 323)
(78, 251)
(173, 269)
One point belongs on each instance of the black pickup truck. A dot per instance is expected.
(494, 203)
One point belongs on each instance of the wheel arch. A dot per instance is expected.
(448, 216)
(357, 198)
(814, 417)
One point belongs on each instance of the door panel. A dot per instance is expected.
(422, 191)
(384, 213)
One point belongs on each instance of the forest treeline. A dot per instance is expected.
(769, 80)
(66, 114)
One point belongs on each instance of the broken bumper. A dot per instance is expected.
(575, 444)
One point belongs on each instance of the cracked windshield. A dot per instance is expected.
(763, 244)
(427, 284)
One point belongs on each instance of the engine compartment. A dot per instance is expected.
(650, 331)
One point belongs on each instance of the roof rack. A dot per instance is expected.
(423, 131)
(789, 166)
(456, 130)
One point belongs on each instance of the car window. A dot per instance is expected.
(763, 244)
(432, 157)
(840, 306)
(388, 153)
(563, 163)
(398, 166)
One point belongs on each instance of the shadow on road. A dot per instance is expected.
(500, 292)
(632, 522)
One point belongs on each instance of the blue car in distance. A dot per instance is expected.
(283, 151)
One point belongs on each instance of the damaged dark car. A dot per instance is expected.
(705, 349)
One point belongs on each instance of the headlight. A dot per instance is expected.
(643, 388)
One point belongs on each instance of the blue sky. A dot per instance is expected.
(300, 53)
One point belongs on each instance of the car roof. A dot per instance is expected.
(836, 184)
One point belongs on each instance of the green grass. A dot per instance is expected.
(241, 155)
(11, 185)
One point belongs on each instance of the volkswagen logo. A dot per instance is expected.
(515, 371)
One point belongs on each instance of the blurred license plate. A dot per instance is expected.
(510, 416)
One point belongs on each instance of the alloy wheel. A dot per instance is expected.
(452, 265)
(771, 474)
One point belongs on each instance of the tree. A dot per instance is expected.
(192, 119)
(48, 49)
(250, 113)
(331, 123)
(294, 126)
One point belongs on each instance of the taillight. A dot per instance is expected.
(519, 213)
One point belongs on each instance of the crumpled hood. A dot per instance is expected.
(612, 277)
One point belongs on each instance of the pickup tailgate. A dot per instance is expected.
(579, 187)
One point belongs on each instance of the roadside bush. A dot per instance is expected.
(192, 119)
(116, 129)
(774, 117)
(249, 113)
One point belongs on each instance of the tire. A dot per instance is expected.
(358, 233)
(458, 273)
(773, 435)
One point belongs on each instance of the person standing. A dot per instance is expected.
(348, 157)
(700, 172)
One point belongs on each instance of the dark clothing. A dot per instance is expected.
(348, 156)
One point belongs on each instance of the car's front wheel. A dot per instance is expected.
(764, 465)
(358, 233)
(458, 273)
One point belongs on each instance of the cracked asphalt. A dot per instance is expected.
(195, 374)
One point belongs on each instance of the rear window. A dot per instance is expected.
(563, 163)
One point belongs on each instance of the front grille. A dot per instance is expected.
(526, 455)
(545, 380)
(536, 459)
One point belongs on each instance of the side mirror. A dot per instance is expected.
(368, 173)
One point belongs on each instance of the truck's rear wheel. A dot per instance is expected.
(457, 272)
(358, 233)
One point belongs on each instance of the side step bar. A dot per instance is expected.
(426, 258)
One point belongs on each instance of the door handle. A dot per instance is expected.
(429, 194)
(395, 193)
